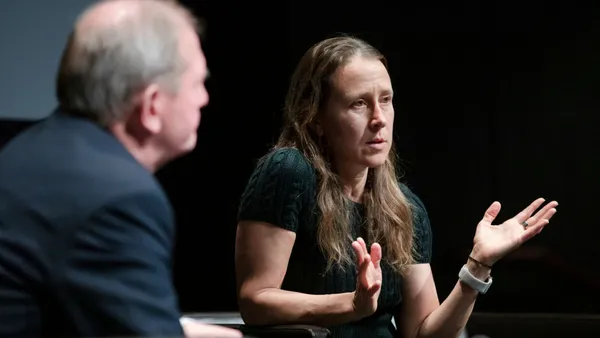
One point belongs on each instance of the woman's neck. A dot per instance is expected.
(354, 182)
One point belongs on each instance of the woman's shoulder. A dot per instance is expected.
(413, 198)
(421, 225)
(286, 162)
(279, 189)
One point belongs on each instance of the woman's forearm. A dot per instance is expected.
(452, 315)
(279, 307)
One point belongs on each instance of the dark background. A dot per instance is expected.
(493, 102)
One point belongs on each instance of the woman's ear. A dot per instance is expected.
(318, 129)
(317, 126)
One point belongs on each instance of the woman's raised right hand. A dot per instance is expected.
(369, 278)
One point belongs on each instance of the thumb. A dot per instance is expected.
(492, 212)
(374, 288)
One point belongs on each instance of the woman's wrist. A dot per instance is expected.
(357, 312)
(478, 268)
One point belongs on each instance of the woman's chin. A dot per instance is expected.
(375, 161)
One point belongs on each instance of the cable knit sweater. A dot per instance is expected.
(282, 191)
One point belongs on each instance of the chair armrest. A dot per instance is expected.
(291, 331)
(234, 321)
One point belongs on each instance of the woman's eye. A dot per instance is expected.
(358, 104)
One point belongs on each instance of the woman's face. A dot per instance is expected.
(358, 119)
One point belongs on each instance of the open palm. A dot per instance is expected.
(492, 242)
(368, 284)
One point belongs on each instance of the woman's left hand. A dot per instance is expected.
(492, 242)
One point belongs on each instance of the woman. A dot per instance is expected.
(328, 236)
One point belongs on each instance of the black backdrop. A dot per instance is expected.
(492, 103)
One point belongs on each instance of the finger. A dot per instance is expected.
(363, 245)
(526, 213)
(358, 251)
(362, 272)
(492, 212)
(549, 214)
(547, 211)
(538, 225)
(543, 215)
(532, 231)
(376, 254)
(366, 260)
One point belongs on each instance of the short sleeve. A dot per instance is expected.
(278, 190)
(422, 228)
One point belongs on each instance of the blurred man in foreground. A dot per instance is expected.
(85, 229)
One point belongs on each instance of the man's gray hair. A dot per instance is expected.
(103, 69)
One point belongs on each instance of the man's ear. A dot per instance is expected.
(152, 106)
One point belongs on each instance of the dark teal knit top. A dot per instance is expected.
(282, 191)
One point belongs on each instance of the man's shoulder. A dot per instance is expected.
(64, 166)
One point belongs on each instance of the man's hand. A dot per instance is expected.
(196, 329)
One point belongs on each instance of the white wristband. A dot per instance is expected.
(466, 277)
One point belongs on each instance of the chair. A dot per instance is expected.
(234, 320)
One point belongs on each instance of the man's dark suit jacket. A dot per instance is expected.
(86, 236)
